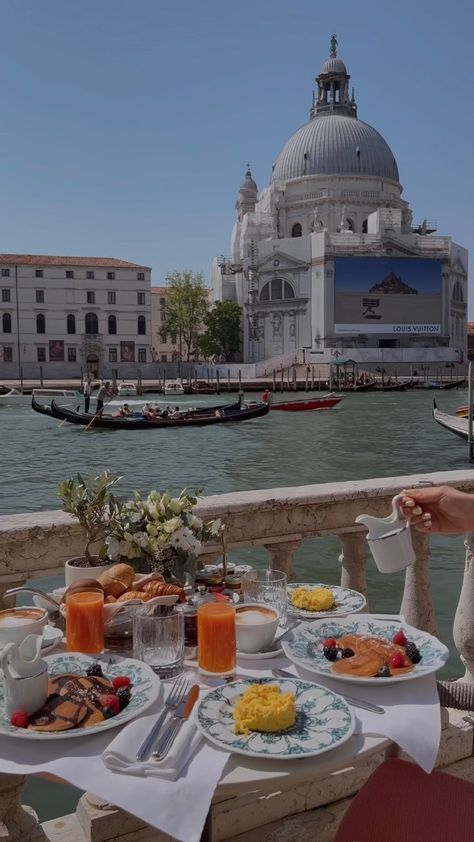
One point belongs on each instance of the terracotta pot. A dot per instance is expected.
(72, 573)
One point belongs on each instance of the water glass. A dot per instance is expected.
(268, 586)
(158, 639)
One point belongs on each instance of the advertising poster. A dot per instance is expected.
(127, 352)
(396, 296)
(56, 350)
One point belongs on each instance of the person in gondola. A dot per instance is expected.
(125, 411)
(87, 394)
(148, 412)
(265, 396)
(104, 392)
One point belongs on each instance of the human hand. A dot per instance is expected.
(438, 509)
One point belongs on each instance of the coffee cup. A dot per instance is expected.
(18, 623)
(255, 625)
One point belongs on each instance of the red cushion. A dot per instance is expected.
(401, 803)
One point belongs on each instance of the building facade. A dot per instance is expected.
(164, 347)
(327, 258)
(72, 316)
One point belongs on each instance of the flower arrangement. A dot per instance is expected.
(163, 529)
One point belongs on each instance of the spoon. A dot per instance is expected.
(42, 594)
(276, 643)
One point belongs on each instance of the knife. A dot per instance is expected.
(183, 712)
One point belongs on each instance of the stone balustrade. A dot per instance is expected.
(279, 519)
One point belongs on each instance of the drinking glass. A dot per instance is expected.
(85, 621)
(268, 586)
(216, 639)
(158, 639)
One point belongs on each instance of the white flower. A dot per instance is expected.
(113, 547)
(194, 522)
(172, 525)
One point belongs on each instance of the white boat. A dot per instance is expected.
(173, 387)
(16, 398)
(127, 390)
(453, 423)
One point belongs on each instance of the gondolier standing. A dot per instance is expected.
(104, 392)
(87, 394)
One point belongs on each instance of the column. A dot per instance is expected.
(353, 559)
(417, 602)
(18, 823)
(282, 555)
(463, 631)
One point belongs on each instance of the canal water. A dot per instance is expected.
(368, 435)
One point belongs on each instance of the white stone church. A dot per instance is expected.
(326, 260)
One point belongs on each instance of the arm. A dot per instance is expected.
(439, 509)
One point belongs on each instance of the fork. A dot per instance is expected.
(175, 697)
(357, 703)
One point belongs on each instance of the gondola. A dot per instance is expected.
(310, 404)
(394, 387)
(456, 425)
(225, 414)
(357, 387)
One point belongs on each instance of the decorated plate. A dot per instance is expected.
(145, 689)
(346, 600)
(306, 647)
(323, 722)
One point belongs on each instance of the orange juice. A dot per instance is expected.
(85, 621)
(216, 638)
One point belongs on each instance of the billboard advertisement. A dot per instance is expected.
(396, 296)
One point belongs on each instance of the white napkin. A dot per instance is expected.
(119, 756)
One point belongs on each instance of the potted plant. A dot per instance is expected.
(162, 531)
(93, 504)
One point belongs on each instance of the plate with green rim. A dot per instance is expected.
(346, 601)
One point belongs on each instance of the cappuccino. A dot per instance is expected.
(251, 615)
(13, 617)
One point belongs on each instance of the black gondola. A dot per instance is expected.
(213, 415)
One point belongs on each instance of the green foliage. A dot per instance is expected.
(186, 308)
(92, 503)
(222, 335)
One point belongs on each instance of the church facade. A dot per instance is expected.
(326, 259)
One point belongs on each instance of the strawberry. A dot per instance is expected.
(20, 719)
(397, 660)
(121, 681)
(110, 702)
(329, 643)
(400, 638)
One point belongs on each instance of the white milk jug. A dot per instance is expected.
(389, 539)
(25, 675)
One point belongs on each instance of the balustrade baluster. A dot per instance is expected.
(353, 561)
(417, 602)
(282, 556)
(463, 631)
(18, 823)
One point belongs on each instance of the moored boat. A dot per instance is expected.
(310, 404)
(173, 387)
(16, 398)
(127, 389)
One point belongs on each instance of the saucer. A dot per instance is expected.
(261, 656)
(51, 637)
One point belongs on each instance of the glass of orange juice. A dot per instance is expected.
(85, 621)
(216, 639)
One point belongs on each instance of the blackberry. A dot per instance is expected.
(95, 669)
(347, 653)
(384, 672)
(108, 712)
(330, 652)
(413, 653)
(123, 695)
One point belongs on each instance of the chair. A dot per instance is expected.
(401, 803)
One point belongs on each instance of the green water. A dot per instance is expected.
(369, 435)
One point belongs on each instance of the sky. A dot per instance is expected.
(127, 124)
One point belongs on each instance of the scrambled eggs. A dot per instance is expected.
(313, 599)
(263, 707)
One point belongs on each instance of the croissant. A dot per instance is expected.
(155, 588)
(143, 597)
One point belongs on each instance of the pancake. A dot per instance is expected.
(83, 690)
(58, 714)
(370, 654)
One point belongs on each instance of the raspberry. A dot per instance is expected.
(330, 643)
(20, 719)
(400, 638)
(397, 660)
(413, 653)
(124, 696)
(330, 652)
(121, 681)
(111, 702)
(384, 672)
(95, 669)
(347, 653)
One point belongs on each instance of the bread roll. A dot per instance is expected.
(155, 588)
(143, 597)
(117, 579)
(109, 600)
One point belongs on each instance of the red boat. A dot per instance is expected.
(302, 405)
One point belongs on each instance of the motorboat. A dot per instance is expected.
(454, 423)
(302, 405)
(173, 387)
(127, 390)
(16, 398)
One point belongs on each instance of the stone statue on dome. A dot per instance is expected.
(333, 47)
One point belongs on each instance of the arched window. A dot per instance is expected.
(112, 324)
(350, 224)
(297, 230)
(141, 325)
(7, 323)
(71, 323)
(364, 227)
(40, 323)
(91, 324)
(277, 290)
(457, 292)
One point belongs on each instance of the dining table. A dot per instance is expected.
(411, 722)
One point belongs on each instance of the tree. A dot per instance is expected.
(222, 335)
(187, 305)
